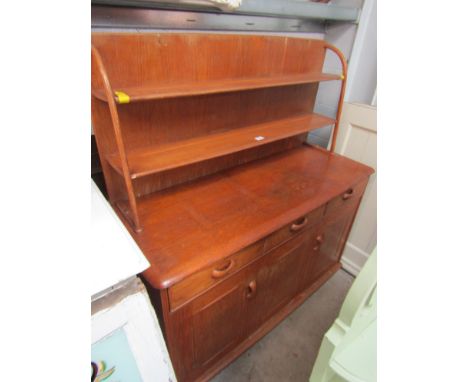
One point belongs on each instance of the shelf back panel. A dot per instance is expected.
(153, 123)
(149, 59)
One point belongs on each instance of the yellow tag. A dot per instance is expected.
(122, 97)
(342, 76)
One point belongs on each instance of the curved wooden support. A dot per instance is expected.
(105, 84)
(344, 77)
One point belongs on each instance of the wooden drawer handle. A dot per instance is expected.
(220, 272)
(251, 289)
(348, 194)
(319, 241)
(297, 226)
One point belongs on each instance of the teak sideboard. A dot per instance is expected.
(202, 139)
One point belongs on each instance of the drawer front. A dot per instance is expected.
(195, 284)
(347, 200)
(294, 228)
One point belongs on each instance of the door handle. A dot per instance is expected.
(251, 289)
(319, 241)
(297, 226)
(348, 194)
(220, 272)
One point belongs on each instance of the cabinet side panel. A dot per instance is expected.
(105, 141)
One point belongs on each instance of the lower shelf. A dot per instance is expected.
(169, 156)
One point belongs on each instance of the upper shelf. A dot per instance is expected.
(152, 160)
(146, 93)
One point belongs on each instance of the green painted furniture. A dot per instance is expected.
(348, 350)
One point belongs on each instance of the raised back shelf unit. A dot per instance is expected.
(169, 108)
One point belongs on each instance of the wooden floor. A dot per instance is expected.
(288, 352)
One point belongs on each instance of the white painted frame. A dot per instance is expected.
(135, 315)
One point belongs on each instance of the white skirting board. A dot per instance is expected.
(353, 259)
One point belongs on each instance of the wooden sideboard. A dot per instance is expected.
(202, 140)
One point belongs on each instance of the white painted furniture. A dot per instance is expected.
(120, 302)
(129, 309)
(349, 349)
(114, 254)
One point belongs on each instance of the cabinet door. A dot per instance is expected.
(212, 324)
(276, 280)
(326, 246)
(217, 324)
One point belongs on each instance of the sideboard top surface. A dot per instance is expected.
(191, 226)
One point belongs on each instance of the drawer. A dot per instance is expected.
(294, 228)
(347, 199)
(197, 283)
